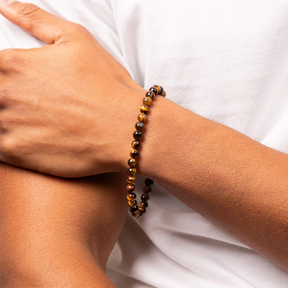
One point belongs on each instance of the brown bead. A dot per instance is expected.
(163, 94)
(154, 90)
(159, 89)
(144, 109)
(132, 162)
(142, 117)
(133, 209)
(143, 204)
(150, 94)
(145, 197)
(149, 182)
(142, 209)
(137, 135)
(134, 153)
(131, 197)
(132, 203)
(139, 126)
(147, 101)
(135, 144)
(147, 189)
(130, 188)
(131, 179)
(137, 214)
(132, 171)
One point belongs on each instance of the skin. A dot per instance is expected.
(238, 184)
(57, 232)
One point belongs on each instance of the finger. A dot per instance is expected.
(34, 20)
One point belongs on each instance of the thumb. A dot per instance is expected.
(34, 20)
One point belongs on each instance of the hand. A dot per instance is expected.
(67, 109)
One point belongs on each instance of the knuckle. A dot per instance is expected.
(8, 60)
(5, 97)
(8, 147)
(75, 28)
(26, 9)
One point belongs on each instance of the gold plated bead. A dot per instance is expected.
(132, 171)
(145, 197)
(142, 117)
(131, 196)
(135, 144)
(132, 203)
(149, 182)
(132, 162)
(147, 101)
(144, 108)
(134, 153)
(131, 179)
(147, 189)
(130, 188)
(139, 126)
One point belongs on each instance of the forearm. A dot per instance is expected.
(57, 232)
(234, 181)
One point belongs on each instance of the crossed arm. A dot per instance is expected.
(57, 232)
(237, 183)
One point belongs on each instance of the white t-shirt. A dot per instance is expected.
(226, 60)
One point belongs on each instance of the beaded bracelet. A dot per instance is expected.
(134, 153)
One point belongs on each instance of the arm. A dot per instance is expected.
(237, 183)
(56, 232)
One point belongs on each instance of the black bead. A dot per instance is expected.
(137, 135)
(139, 126)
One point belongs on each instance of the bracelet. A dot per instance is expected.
(136, 211)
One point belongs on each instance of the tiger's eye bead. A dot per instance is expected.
(135, 144)
(130, 188)
(147, 189)
(144, 109)
(137, 135)
(131, 197)
(131, 179)
(159, 89)
(132, 203)
(133, 209)
(142, 209)
(150, 94)
(139, 126)
(137, 214)
(134, 153)
(132, 162)
(142, 117)
(163, 94)
(143, 204)
(147, 101)
(145, 197)
(132, 171)
(153, 89)
(149, 182)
